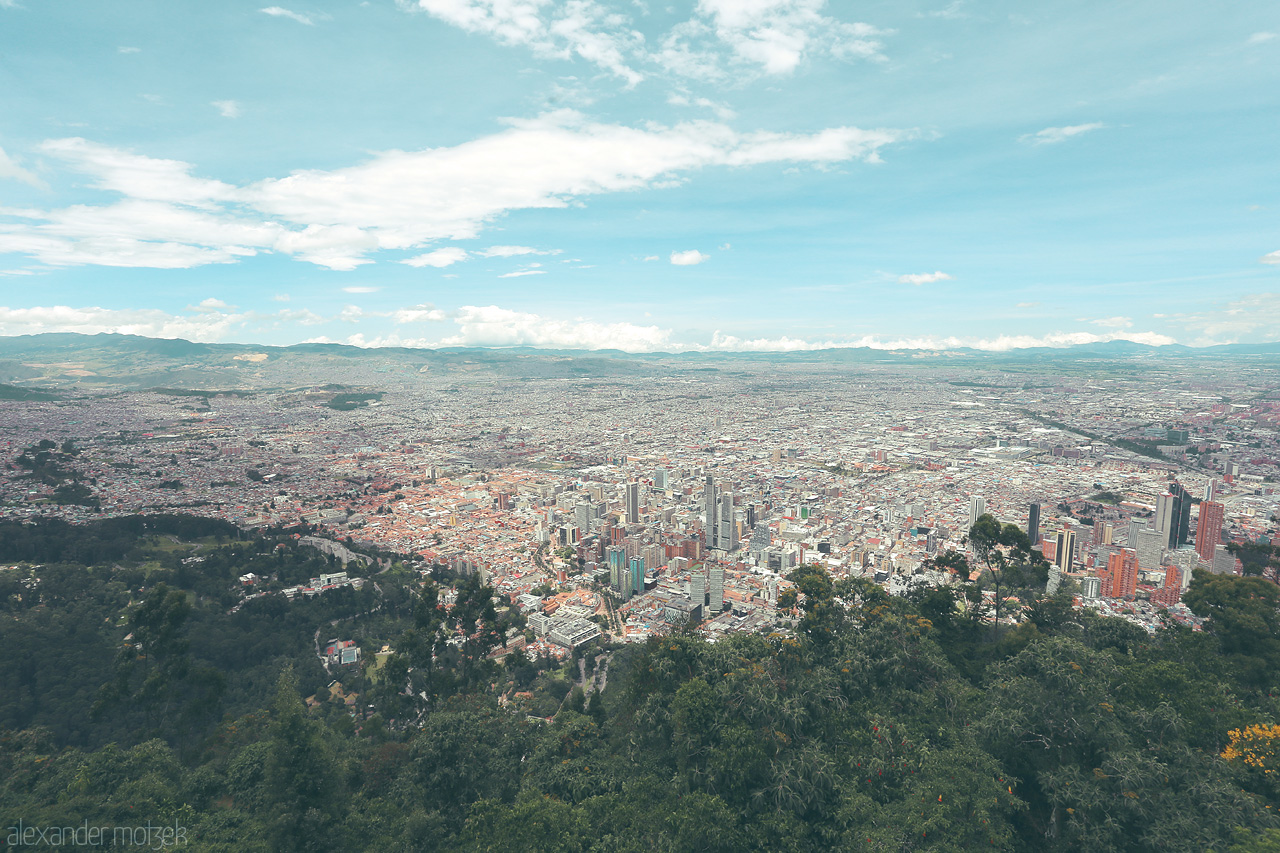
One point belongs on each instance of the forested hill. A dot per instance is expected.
(138, 683)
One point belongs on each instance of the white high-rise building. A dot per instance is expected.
(632, 503)
(1164, 514)
(1150, 548)
(715, 588)
(977, 507)
(728, 523)
(711, 514)
(698, 587)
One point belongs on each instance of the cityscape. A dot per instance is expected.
(495, 551)
(692, 498)
(607, 426)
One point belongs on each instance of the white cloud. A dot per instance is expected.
(128, 50)
(1054, 135)
(951, 11)
(582, 28)
(10, 169)
(204, 326)
(513, 251)
(648, 258)
(1259, 38)
(1270, 258)
(136, 175)
(688, 258)
(210, 304)
(777, 34)
(280, 12)
(171, 218)
(722, 36)
(425, 313)
(214, 320)
(439, 259)
(923, 278)
(361, 289)
(519, 273)
(410, 198)
(1003, 343)
(338, 247)
(227, 109)
(494, 326)
(1114, 323)
(282, 297)
(1253, 315)
(722, 112)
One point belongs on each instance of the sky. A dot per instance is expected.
(645, 176)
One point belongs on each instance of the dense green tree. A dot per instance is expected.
(1242, 614)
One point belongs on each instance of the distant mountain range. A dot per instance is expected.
(113, 362)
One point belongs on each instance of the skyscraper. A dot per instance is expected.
(715, 588)
(1066, 550)
(1209, 529)
(711, 514)
(1149, 547)
(1123, 570)
(1033, 525)
(698, 586)
(619, 579)
(660, 478)
(1180, 524)
(1164, 515)
(632, 502)
(582, 515)
(637, 575)
(977, 506)
(728, 538)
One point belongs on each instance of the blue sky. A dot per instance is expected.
(716, 174)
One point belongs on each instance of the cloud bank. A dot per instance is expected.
(166, 216)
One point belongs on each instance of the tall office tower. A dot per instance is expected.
(931, 543)
(977, 506)
(728, 523)
(616, 557)
(715, 588)
(710, 522)
(631, 500)
(1208, 529)
(1180, 523)
(1033, 525)
(582, 515)
(660, 478)
(1123, 569)
(1132, 538)
(1066, 550)
(1150, 548)
(637, 575)
(751, 516)
(1164, 514)
(698, 586)
(1090, 587)
(1211, 490)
